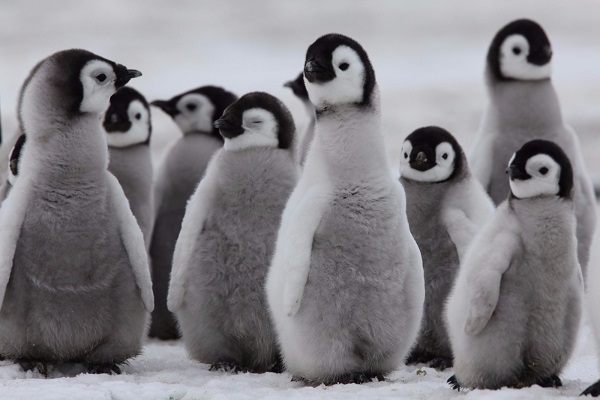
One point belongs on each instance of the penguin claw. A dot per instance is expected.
(441, 363)
(552, 381)
(110, 369)
(227, 366)
(352, 377)
(453, 382)
(32, 365)
(593, 390)
(419, 357)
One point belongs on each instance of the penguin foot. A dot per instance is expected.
(110, 369)
(356, 377)
(278, 367)
(227, 366)
(419, 357)
(441, 363)
(593, 390)
(552, 381)
(453, 382)
(32, 365)
(300, 379)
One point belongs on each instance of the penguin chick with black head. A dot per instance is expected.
(128, 129)
(446, 207)
(194, 112)
(74, 278)
(345, 287)
(514, 312)
(14, 159)
(227, 239)
(523, 106)
(303, 143)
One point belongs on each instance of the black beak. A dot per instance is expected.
(315, 71)
(516, 173)
(124, 75)
(166, 106)
(116, 123)
(228, 127)
(421, 162)
(541, 57)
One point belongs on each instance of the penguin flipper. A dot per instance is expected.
(197, 209)
(294, 246)
(133, 240)
(12, 214)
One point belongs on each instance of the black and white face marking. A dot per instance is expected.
(100, 80)
(430, 154)
(540, 168)
(521, 51)
(298, 87)
(127, 120)
(337, 70)
(256, 120)
(197, 109)
(14, 159)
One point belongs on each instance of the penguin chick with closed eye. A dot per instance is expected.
(194, 112)
(523, 106)
(227, 238)
(514, 312)
(74, 278)
(14, 159)
(128, 129)
(446, 207)
(303, 144)
(345, 287)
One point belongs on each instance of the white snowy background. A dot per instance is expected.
(428, 57)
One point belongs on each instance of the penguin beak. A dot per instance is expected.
(515, 173)
(421, 162)
(124, 75)
(315, 71)
(540, 57)
(166, 106)
(228, 127)
(116, 123)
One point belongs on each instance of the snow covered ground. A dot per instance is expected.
(428, 56)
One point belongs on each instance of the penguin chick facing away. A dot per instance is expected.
(74, 278)
(227, 239)
(446, 207)
(14, 160)
(303, 143)
(345, 287)
(514, 312)
(128, 128)
(194, 112)
(523, 106)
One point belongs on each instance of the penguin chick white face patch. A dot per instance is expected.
(443, 168)
(98, 80)
(513, 61)
(545, 176)
(195, 113)
(348, 84)
(260, 130)
(139, 131)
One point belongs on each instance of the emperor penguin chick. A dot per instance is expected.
(446, 207)
(74, 277)
(14, 159)
(523, 106)
(227, 239)
(303, 143)
(514, 312)
(194, 112)
(345, 287)
(128, 128)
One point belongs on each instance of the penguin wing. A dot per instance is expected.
(133, 240)
(12, 214)
(4, 191)
(294, 245)
(480, 159)
(485, 263)
(196, 211)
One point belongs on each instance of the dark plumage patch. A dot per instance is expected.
(298, 86)
(116, 118)
(15, 155)
(319, 55)
(540, 52)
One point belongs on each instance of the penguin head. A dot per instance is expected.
(298, 87)
(540, 168)
(257, 119)
(14, 159)
(520, 51)
(196, 110)
(431, 154)
(337, 71)
(127, 120)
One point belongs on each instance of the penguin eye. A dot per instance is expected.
(191, 106)
(256, 121)
(344, 66)
(445, 156)
(138, 116)
(516, 50)
(101, 77)
(543, 170)
(405, 155)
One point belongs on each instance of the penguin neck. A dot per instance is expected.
(349, 141)
(518, 103)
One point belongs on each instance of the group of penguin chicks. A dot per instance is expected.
(337, 271)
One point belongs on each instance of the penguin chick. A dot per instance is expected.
(514, 312)
(74, 278)
(446, 207)
(194, 112)
(523, 106)
(345, 287)
(304, 142)
(14, 159)
(227, 239)
(128, 129)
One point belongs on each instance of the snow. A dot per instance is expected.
(428, 57)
